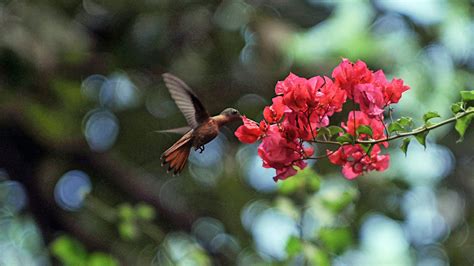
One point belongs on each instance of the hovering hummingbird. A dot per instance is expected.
(201, 129)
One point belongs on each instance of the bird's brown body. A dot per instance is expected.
(202, 130)
(205, 132)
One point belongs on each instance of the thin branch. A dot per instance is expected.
(400, 135)
(384, 126)
(354, 116)
(309, 124)
(100, 209)
(390, 111)
(326, 142)
(321, 156)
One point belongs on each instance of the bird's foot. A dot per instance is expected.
(200, 148)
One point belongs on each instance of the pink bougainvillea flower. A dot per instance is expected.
(298, 125)
(379, 79)
(353, 158)
(318, 94)
(283, 155)
(298, 96)
(331, 98)
(303, 106)
(274, 113)
(393, 91)
(370, 98)
(309, 103)
(276, 151)
(314, 86)
(355, 161)
(376, 124)
(348, 74)
(291, 81)
(249, 132)
(284, 173)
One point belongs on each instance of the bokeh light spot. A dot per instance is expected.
(225, 244)
(271, 231)
(91, 86)
(170, 195)
(206, 228)
(118, 92)
(255, 174)
(101, 129)
(72, 189)
(251, 211)
(207, 167)
(12, 196)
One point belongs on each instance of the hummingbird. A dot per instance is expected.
(201, 129)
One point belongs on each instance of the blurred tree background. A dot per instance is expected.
(81, 96)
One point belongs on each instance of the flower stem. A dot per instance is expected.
(400, 135)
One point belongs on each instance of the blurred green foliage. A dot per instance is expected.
(306, 181)
(71, 252)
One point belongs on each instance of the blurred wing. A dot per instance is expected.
(179, 130)
(186, 100)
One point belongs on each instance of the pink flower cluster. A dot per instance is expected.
(302, 106)
(370, 90)
(353, 158)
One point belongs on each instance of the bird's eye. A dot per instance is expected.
(234, 112)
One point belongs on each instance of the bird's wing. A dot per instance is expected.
(179, 130)
(187, 101)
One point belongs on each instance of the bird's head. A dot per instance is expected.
(231, 114)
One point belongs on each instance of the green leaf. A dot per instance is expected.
(126, 211)
(145, 211)
(69, 251)
(395, 127)
(421, 138)
(286, 206)
(363, 129)
(338, 198)
(315, 256)
(101, 259)
(405, 122)
(366, 147)
(467, 96)
(69, 94)
(128, 230)
(52, 124)
(404, 146)
(462, 124)
(321, 258)
(324, 132)
(313, 183)
(306, 179)
(430, 115)
(457, 107)
(337, 205)
(346, 138)
(293, 246)
(293, 184)
(336, 240)
(334, 130)
(290, 185)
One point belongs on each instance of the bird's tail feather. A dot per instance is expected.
(177, 155)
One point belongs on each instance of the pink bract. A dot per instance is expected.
(249, 132)
(303, 106)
